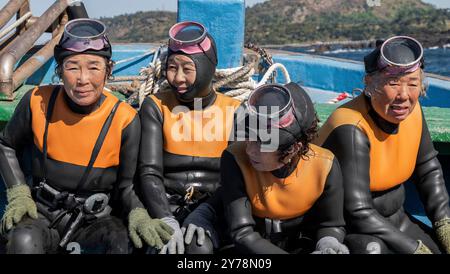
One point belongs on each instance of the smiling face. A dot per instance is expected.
(84, 77)
(394, 97)
(181, 72)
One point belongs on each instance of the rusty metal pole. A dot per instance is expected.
(22, 11)
(8, 11)
(39, 58)
(7, 40)
(20, 46)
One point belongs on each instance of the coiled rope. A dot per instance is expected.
(234, 82)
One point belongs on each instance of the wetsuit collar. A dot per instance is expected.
(387, 127)
(286, 170)
(207, 101)
(83, 109)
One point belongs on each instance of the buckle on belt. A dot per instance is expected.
(189, 194)
(55, 199)
(272, 226)
(96, 203)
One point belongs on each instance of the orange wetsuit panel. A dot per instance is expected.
(286, 198)
(203, 133)
(392, 156)
(72, 136)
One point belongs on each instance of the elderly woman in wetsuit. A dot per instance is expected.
(84, 147)
(381, 139)
(184, 131)
(282, 194)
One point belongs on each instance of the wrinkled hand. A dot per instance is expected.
(330, 245)
(154, 231)
(422, 249)
(190, 232)
(442, 229)
(175, 244)
(19, 204)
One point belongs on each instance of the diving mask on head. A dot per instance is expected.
(278, 115)
(83, 35)
(189, 37)
(396, 55)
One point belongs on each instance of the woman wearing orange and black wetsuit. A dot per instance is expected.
(381, 139)
(289, 198)
(83, 145)
(184, 132)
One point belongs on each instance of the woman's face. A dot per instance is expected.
(181, 72)
(262, 161)
(394, 97)
(84, 77)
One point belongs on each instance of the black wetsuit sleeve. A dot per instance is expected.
(327, 213)
(151, 161)
(429, 179)
(352, 148)
(238, 211)
(127, 166)
(16, 135)
(216, 200)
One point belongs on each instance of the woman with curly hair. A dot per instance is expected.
(282, 194)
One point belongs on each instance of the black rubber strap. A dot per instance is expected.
(98, 146)
(50, 107)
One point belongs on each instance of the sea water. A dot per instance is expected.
(437, 60)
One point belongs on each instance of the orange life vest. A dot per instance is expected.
(392, 156)
(284, 198)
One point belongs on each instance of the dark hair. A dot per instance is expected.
(305, 138)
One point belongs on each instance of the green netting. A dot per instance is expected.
(438, 120)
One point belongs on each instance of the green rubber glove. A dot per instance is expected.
(153, 231)
(442, 229)
(422, 249)
(19, 204)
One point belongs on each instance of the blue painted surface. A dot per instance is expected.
(125, 51)
(322, 73)
(339, 76)
(438, 93)
(413, 203)
(41, 75)
(225, 20)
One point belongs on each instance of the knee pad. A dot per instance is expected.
(25, 240)
(365, 244)
(194, 248)
(106, 235)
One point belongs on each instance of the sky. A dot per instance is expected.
(108, 8)
(96, 8)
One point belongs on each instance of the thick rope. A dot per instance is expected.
(234, 82)
(237, 81)
(153, 81)
(243, 89)
(270, 71)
